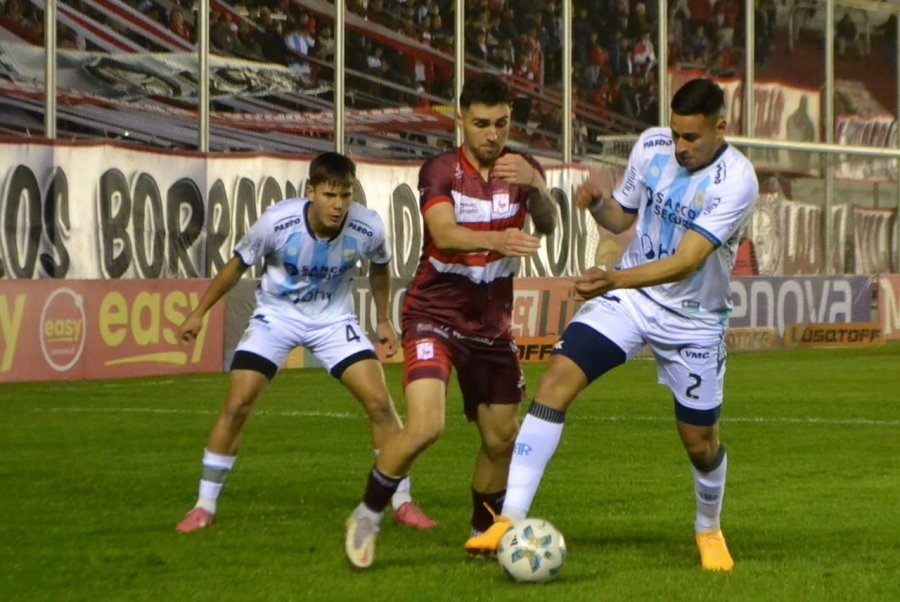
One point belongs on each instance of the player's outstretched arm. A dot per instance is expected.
(380, 285)
(451, 237)
(595, 195)
(690, 255)
(224, 281)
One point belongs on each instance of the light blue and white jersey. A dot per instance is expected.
(715, 202)
(303, 274)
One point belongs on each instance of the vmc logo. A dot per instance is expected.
(63, 329)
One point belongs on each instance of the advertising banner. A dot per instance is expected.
(779, 302)
(98, 211)
(818, 336)
(73, 330)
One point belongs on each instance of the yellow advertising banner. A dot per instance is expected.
(101, 329)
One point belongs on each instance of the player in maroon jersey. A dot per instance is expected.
(457, 311)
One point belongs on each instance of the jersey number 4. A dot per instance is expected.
(351, 334)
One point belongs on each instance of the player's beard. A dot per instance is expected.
(488, 153)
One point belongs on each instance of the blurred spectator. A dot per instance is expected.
(271, 40)
(726, 14)
(628, 100)
(178, 26)
(846, 34)
(700, 44)
(581, 36)
(701, 11)
(299, 40)
(679, 22)
(599, 60)
(644, 55)
(325, 44)
(889, 28)
(762, 30)
(639, 22)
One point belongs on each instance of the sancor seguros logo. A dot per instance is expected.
(63, 329)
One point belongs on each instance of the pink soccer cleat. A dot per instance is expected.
(196, 519)
(410, 515)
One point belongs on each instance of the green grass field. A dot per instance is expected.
(95, 475)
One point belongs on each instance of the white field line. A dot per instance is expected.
(348, 415)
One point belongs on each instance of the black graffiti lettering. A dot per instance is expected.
(218, 229)
(149, 227)
(533, 265)
(406, 231)
(115, 211)
(270, 194)
(245, 214)
(183, 229)
(558, 240)
(55, 263)
(21, 217)
(582, 256)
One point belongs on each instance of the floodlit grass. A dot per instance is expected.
(95, 475)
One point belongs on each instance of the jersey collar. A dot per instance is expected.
(310, 230)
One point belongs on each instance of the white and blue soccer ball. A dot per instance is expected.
(532, 551)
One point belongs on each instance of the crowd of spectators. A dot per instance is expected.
(613, 45)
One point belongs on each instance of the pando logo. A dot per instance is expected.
(63, 329)
(657, 142)
(361, 228)
(287, 224)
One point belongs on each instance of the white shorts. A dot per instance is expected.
(273, 336)
(690, 355)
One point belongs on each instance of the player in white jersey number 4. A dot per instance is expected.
(310, 248)
(689, 194)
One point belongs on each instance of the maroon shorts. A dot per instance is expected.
(487, 371)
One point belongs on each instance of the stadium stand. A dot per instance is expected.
(274, 65)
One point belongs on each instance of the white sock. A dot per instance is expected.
(710, 489)
(535, 445)
(215, 469)
(402, 495)
(363, 511)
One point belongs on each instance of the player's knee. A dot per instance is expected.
(238, 410)
(423, 436)
(500, 441)
(702, 452)
(379, 407)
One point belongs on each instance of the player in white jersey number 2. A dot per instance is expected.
(310, 247)
(689, 194)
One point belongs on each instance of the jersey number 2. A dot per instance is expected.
(689, 392)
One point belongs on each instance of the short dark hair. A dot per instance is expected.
(486, 89)
(699, 97)
(332, 168)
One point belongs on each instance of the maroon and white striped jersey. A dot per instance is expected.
(472, 292)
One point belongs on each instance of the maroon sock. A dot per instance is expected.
(379, 490)
(482, 519)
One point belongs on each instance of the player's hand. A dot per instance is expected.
(512, 242)
(600, 184)
(189, 329)
(387, 336)
(513, 168)
(593, 283)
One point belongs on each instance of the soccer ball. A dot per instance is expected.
(532, 551)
